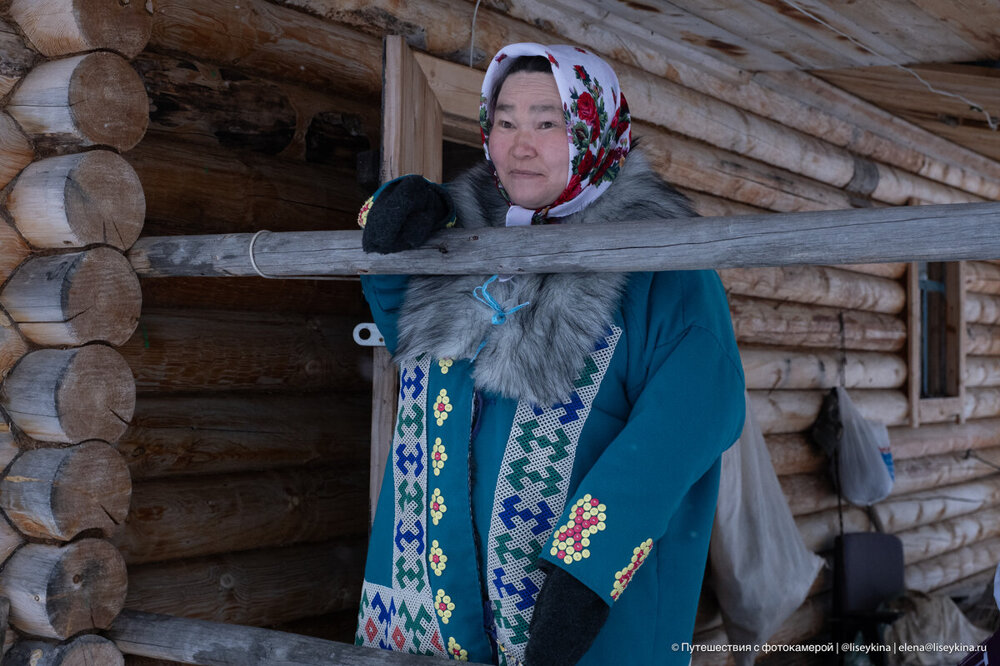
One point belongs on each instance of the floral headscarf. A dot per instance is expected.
(598, 125)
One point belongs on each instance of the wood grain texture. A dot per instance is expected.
(57, 493)
(933, 505)
(929, 541)
(822, 285)
(77, 200)
(939, 233)
(256, 294)
(12, 345)
(70, 395)
(81, 651)
(795, 411)
(75, 298)
(928, 575)
(62, 27)
(260, 587)
(982, 277)
(214, 350)
(769, 368)
(18, 57)
(982, 308)
(190, 641)
(227, 433)
(81, 101)
(16, 152)
(171, 519)
(58, 591)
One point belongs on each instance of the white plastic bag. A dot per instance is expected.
(862, 448)
(755, 543)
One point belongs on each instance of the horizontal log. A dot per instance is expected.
(171, 519)
(768, 368)
(808, 493)
(982, 371)
(982, 308)
(75, 298)
(82, 650)
(94, 99)
(892, 271)
(708, 205)
(945, 569)
(929, 541)
(237, 432)
(194, 188)
(77, 200)
(818, 529)
(62, 27)
(982, 340)
(57, 493)
(795, 453)
(261, 587)
(70, 395)
(795, 411)
(255, 294)
(188, 641)
(924, 507)
(13, 249)
(982, 277)
(982, 403)
(820, 285)
(18, 58)
(939, 233)
(200, 350)
(16, 152)
(58, 591)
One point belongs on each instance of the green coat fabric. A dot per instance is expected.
(617, 486)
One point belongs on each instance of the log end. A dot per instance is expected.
(108, 101)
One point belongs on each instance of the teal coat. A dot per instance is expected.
(617, 486)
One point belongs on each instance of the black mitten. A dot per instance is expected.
(565, 621)
(403, 213)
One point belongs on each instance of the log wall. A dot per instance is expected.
(242, 429)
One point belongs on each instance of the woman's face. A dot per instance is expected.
(528, 142)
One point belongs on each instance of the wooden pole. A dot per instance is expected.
(189, 641)
(178, 518)
(85, 100)
(78, 200)
(767, 368)
(821, 285)
(75, 298)
(939, 233)
(260, 587)
(70, 395)
(224, 433)
(57, 493)
(81, 651)
(210, 350)
(16, 152)
(760, 322)
(794, 411)
(58, 591)
(62, 27)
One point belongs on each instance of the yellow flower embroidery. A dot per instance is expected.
(586, 518)
(456, 651)
(441, 407)
(437, 558)
(443, 605)
(445, 364)
(437, 506)
(624, 577)
(438, 456)
(363, 213)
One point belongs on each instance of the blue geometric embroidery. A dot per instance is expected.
(543, 519)
(404, 459)
(409, 536)
(414, 383)
(526, 591)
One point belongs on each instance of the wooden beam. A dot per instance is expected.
(61, 27)
(871, 235)
(206, 643)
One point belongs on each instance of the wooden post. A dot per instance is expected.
(70, 395)
(57, 591)
(61, 27)
(78, 200)
(190, 641)
(938, 233)
(84, 100)
(75, 298)
(411, 143)
(57, 493)
(81, 651)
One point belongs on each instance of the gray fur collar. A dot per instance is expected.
(537, 353)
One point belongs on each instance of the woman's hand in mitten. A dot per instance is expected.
(565, 621)
(403, 213)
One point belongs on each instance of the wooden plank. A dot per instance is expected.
(412, 126)
(206, 643)
(913, 326)
(940, 233)
(974, 21)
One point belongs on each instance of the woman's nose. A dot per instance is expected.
(524, 145)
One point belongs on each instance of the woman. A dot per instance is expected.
(554, 471)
